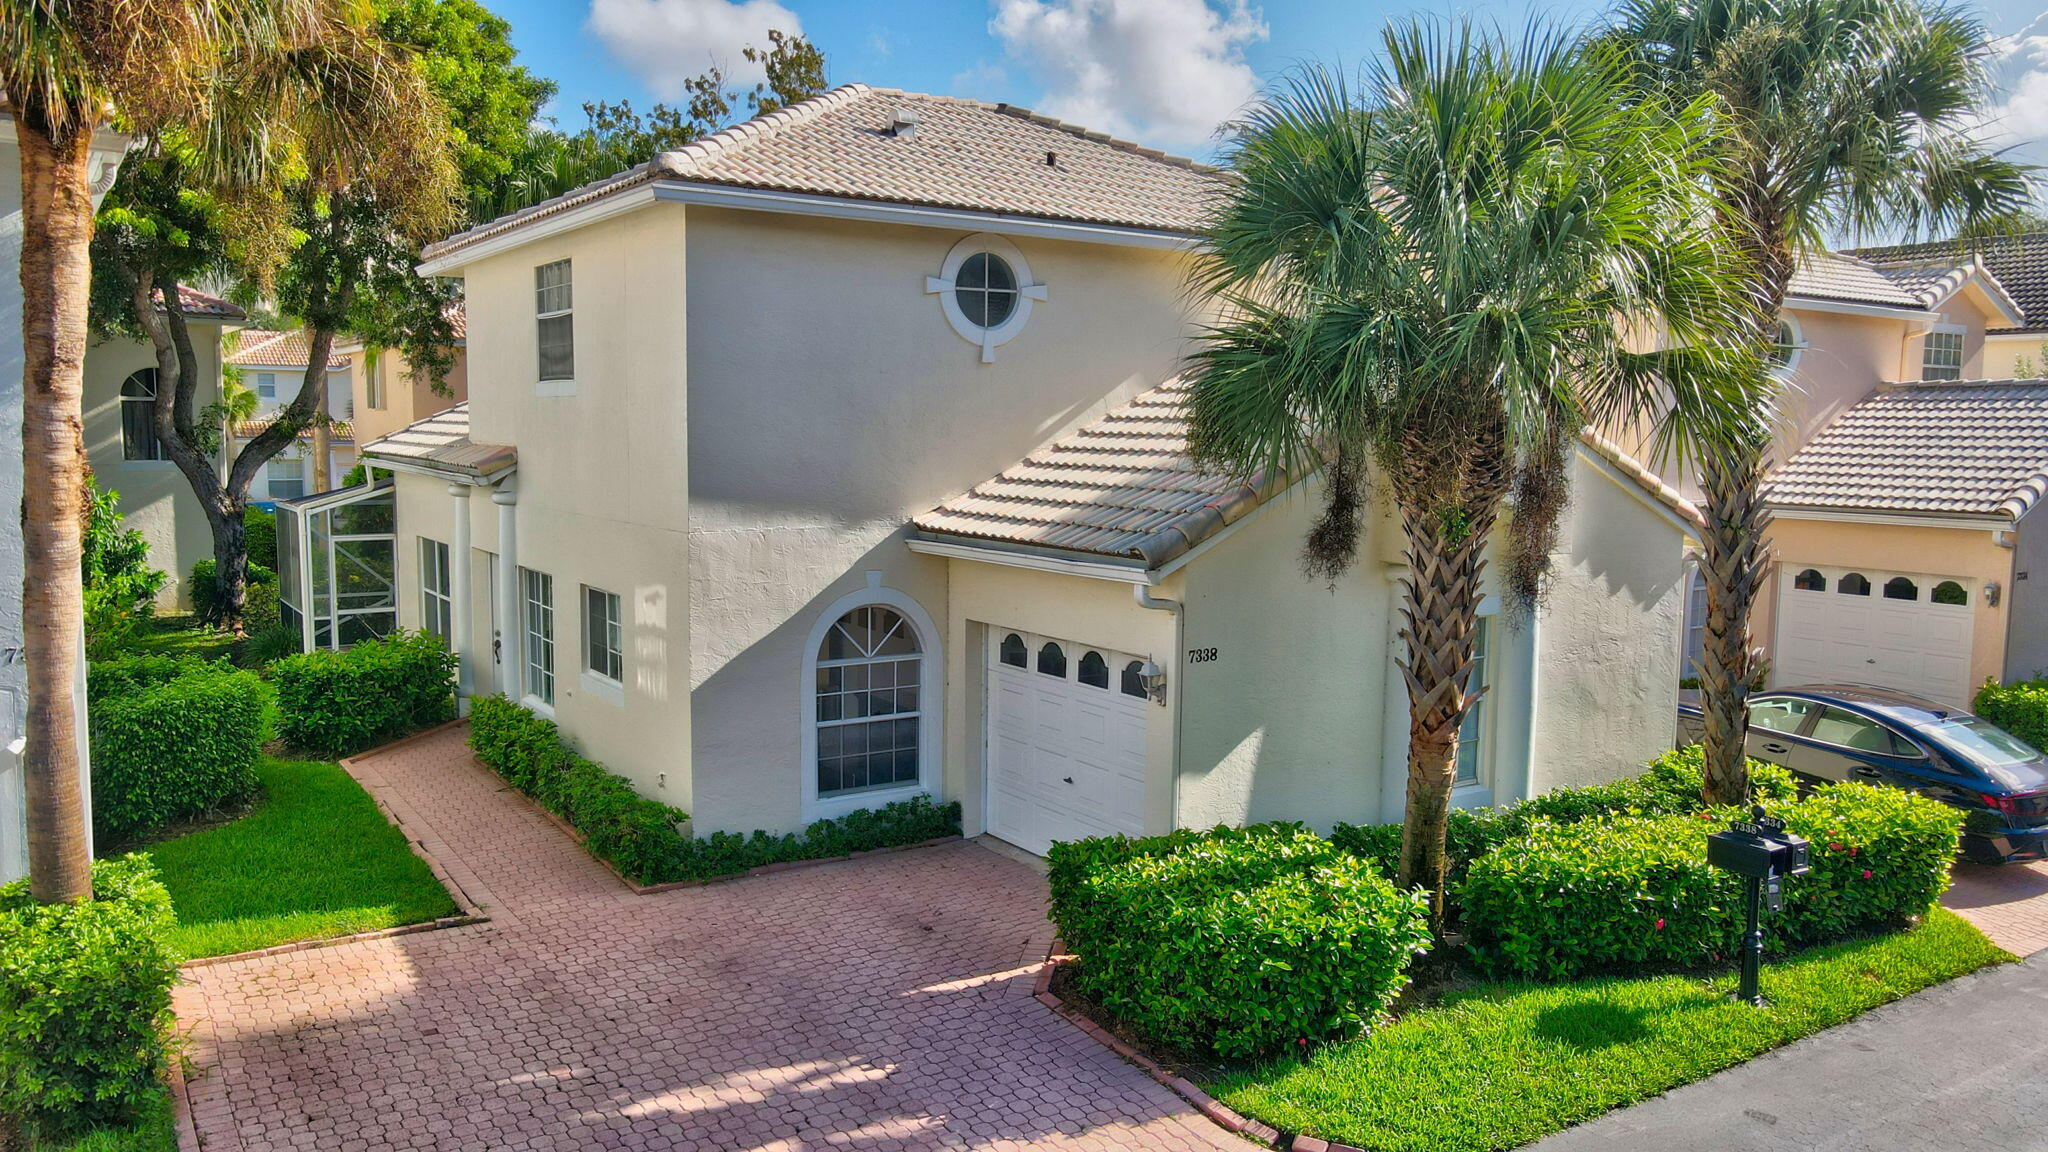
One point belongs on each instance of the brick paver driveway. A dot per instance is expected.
(879, 1003)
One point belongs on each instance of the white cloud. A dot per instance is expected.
(666, 42)
(2019, 116)
(1165, 72)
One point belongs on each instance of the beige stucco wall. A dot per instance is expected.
(603, 489)
(1609, 637)
(405, 399)
(830, 402)
(2002, 356)
(155, 497)
(1969, 553)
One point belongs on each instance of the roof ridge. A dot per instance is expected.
(679, 161)
(1157, 154)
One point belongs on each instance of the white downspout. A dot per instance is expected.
(1142, 595)
(458, 598)
(509, 613)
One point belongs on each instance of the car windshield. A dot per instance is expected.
(1981, 742)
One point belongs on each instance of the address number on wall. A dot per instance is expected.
(1201, 655)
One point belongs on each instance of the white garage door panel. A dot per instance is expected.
(1911, 645)
(1066, 760)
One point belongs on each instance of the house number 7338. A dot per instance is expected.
(1201, 655)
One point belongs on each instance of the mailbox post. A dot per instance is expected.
(1761, 852)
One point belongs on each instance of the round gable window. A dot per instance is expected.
(986, 291)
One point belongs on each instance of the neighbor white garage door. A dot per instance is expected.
(1908, 631)
(1066, 741)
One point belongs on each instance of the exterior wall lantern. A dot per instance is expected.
(1153, 677)
(1991, 591)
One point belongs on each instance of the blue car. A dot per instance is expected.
(1836, 732)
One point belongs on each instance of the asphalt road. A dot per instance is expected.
(1960, 1067)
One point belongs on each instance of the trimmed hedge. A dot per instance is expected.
(2020, 707)
(171, 738)
(335, 704)
(1636, 892)
(1236, 942)
(1670, 785)
(85, 1000)
(640, 837)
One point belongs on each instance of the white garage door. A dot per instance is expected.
(1066, 741)
(1907, 631)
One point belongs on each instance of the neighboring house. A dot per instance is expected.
(2021, 264)
(106, 150)
(839, 457)
(273, 366)
(122, 446)
(1900, 477)
(387, 397)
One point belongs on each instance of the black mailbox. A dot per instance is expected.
(1744, 854)
(1792, 857)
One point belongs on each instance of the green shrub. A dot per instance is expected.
(339, 703)
(640, 836)
(259, 607)
(1237, 942)
(1636, 891)
(204, 587)
(261, 649)
(85, 1000)
(1670, 785)
(173, 741)
(259, 533)
(130, 673)
(2020, 708)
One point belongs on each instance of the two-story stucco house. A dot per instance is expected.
(1903, 477)
(840, 456)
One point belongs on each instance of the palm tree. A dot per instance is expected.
(1435, 280)
(1829, 116)
(66, 70)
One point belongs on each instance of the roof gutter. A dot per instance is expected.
(1971, 522)
(1848, 308)
(414, 467)
(1018, 556)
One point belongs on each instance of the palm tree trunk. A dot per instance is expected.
(1447, 514)
(1733, 558)
(56, 206)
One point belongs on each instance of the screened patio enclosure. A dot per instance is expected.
(337, 567)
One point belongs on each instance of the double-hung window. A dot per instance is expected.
(287, 477)
(553, 311)
(1941, 357)
(138, 418)
(539, 596)
(603, 640)
(437, 602)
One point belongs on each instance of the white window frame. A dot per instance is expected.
(537, 614)
(266, 385)
(555, 385)
(931, 703)
(1028, 291)
(1927, 352)
(1795, 346)
(437, 593)
(161, 457)
(270, 476)
(597, 681)
(1486, 643)
(373, 384)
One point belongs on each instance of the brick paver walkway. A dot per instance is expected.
(877, 1004)
(2008, 902)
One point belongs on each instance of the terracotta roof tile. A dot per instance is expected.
(1971, 447)
(1832, 276)
(339, 430)
(963, 154)
(1125, 488)
(254, 348)
(200, 306)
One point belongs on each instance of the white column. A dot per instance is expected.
(509, 609)
(458, 598)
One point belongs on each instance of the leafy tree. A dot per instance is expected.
(1432, 280)
(1828, 116)
(616, 137)
(68, 70)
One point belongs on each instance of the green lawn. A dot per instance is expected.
(181, 635)
(315, 859)
(1500, 1065)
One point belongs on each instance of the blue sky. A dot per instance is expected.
(1162, 71)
